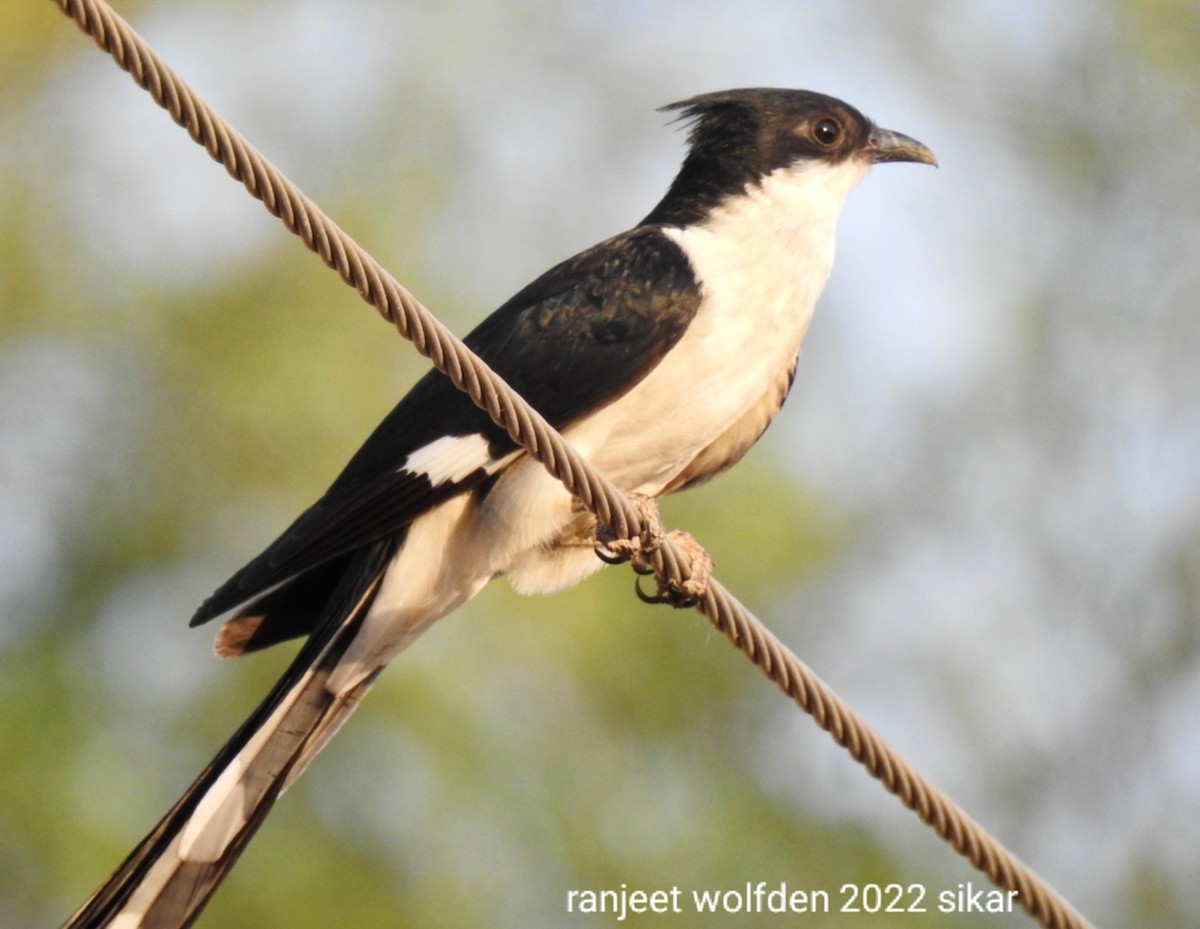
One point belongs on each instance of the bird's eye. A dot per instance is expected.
(827, 131)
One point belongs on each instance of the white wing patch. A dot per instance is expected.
(451, 458)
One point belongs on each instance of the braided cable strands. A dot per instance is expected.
(622, 518)
(949, 821)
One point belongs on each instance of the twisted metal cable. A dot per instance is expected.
(613, 509)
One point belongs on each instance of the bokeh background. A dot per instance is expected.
(978, 517)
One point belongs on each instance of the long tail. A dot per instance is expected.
(166, 881)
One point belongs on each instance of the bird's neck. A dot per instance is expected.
(782, 226)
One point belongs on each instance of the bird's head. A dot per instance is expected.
(741, 137)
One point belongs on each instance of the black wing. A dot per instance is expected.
(574, 340)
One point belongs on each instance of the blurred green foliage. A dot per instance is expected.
(524, 747)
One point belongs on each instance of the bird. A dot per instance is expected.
(661, 355)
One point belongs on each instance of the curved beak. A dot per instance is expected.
(883, 145)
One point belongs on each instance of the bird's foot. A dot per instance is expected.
(613, 550)
(688, 592)
(637, 551)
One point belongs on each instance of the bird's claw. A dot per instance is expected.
(636, 552)
(613, 550)
(688, 592)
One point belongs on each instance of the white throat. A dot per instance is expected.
(783, 226)
(763, 257)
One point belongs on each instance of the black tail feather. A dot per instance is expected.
(179, 904)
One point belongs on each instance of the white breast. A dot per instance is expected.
(762, 261)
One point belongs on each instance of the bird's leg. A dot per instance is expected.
(637, 550)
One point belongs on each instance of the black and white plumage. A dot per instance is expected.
(661, 354)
